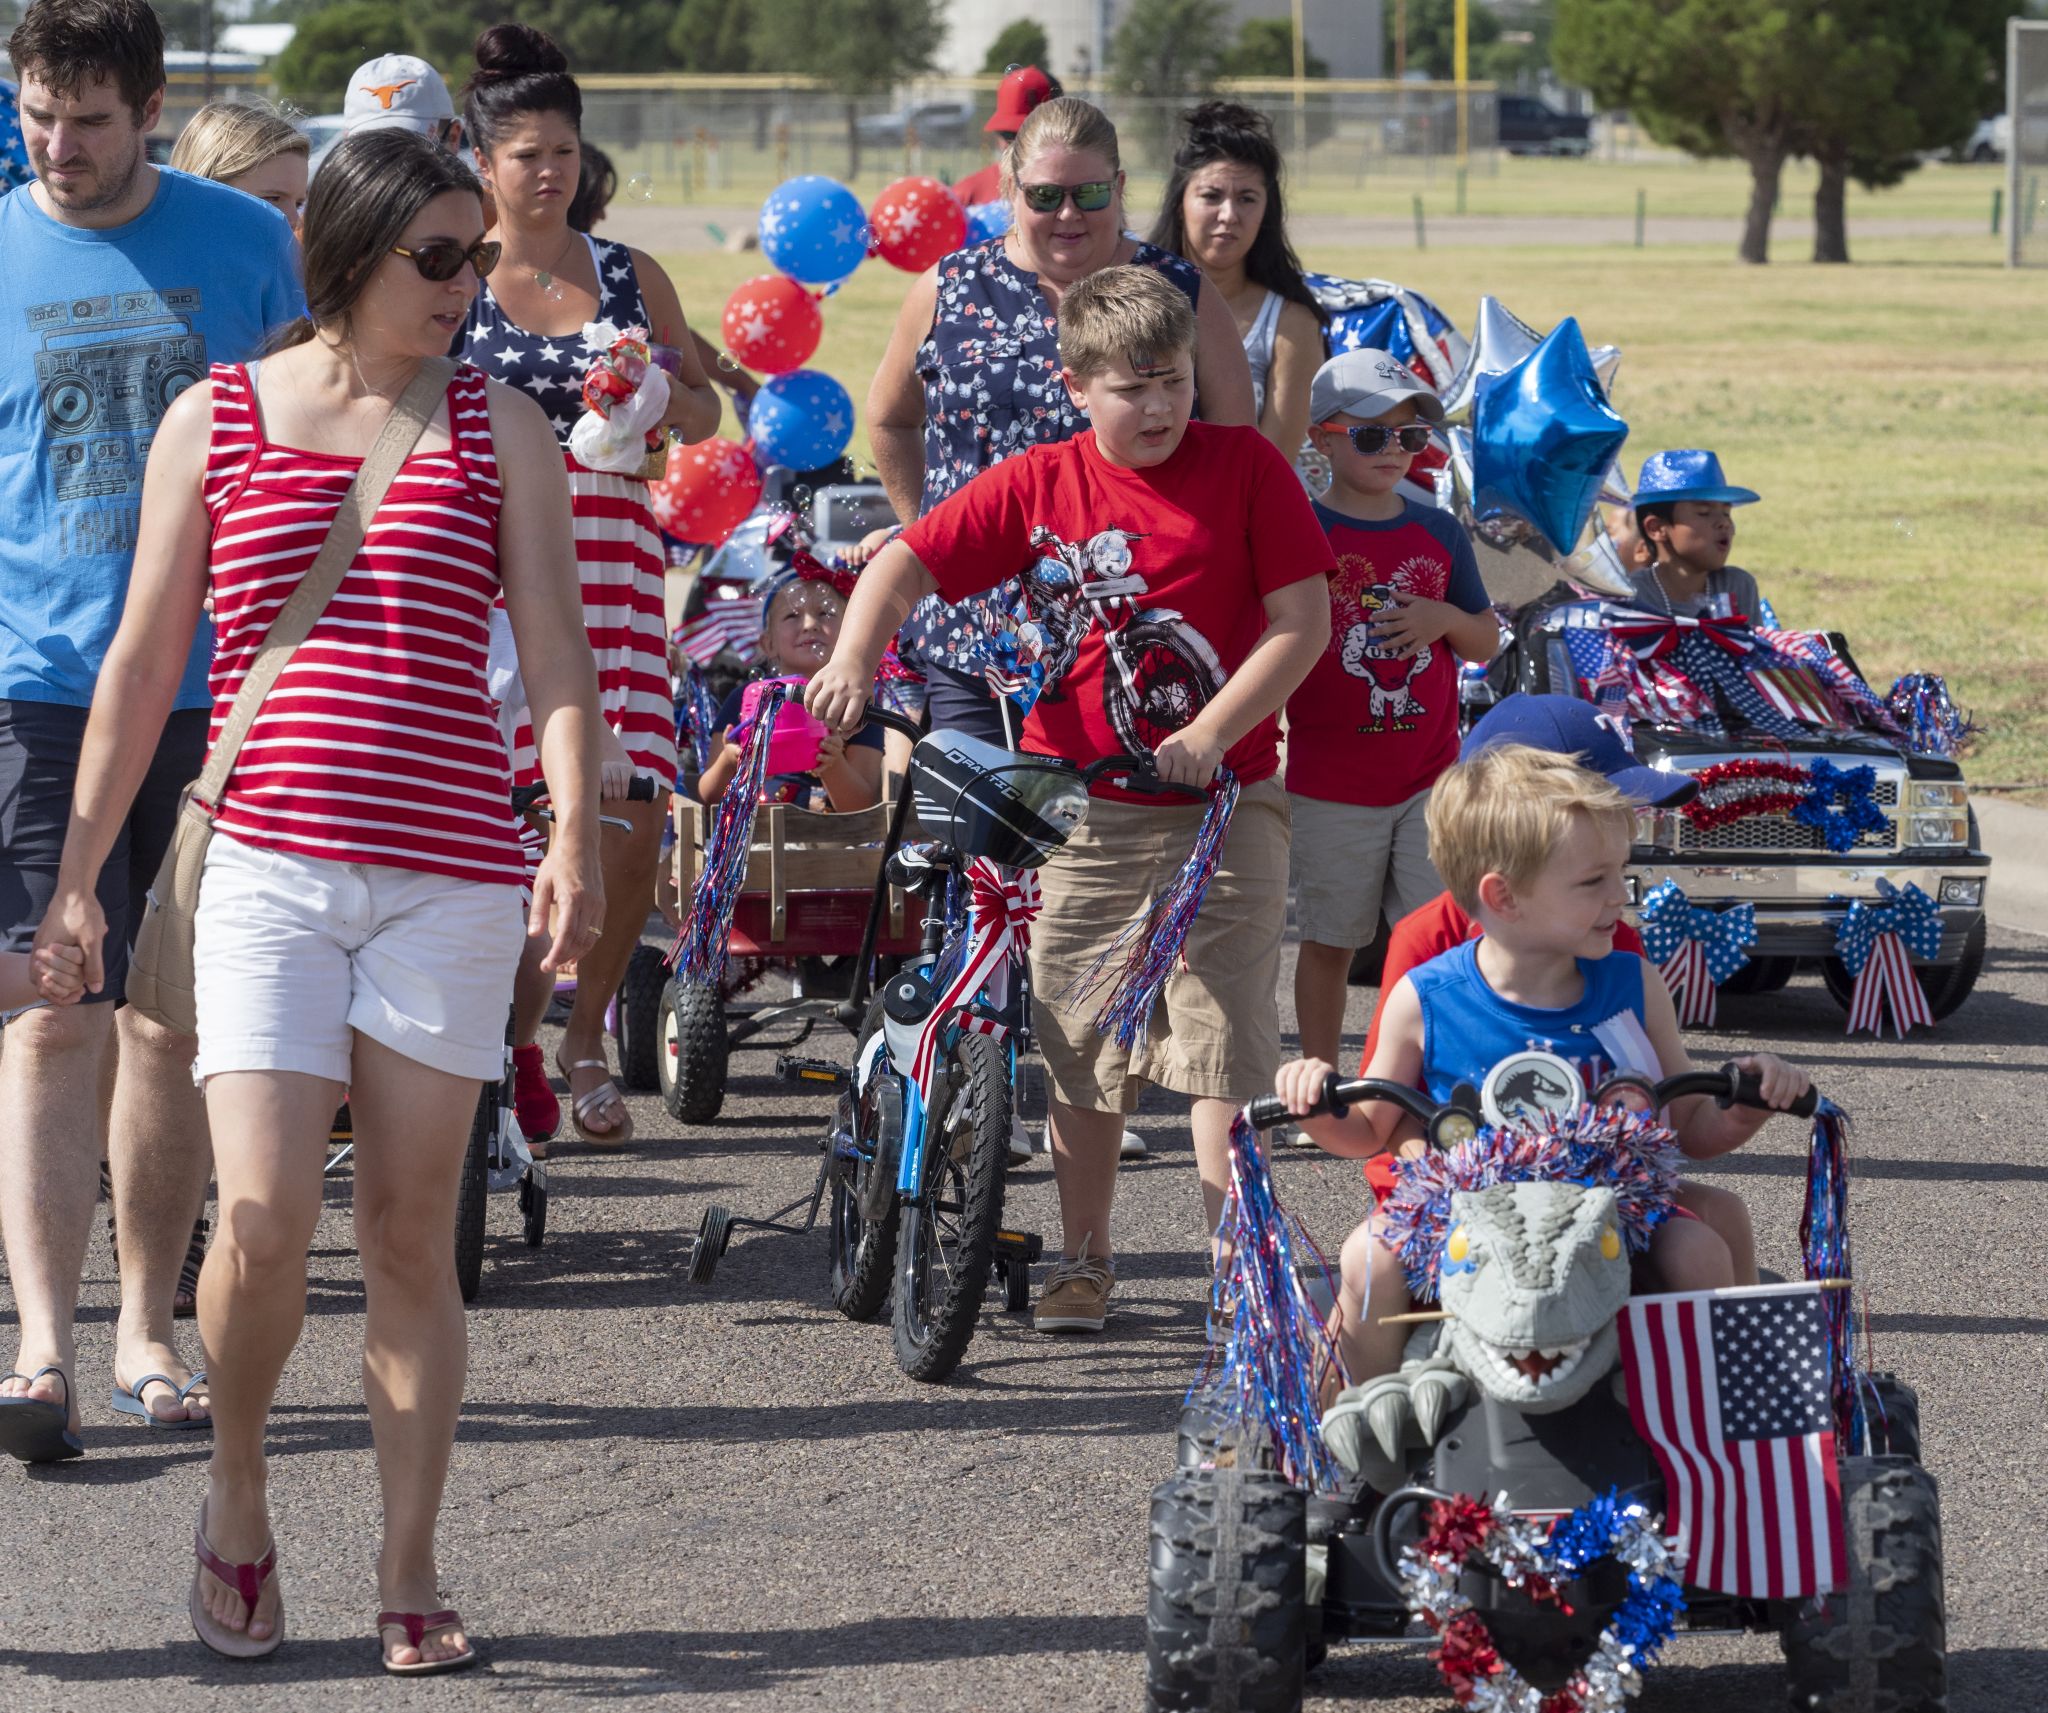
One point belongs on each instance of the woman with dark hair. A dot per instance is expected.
(1223, 211)
(524, 115)
(359, 918)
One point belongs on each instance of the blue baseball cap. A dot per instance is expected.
(1566, 726)
(1687, 475)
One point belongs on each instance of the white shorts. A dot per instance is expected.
(293, 953)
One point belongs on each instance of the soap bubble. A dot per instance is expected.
(728, 363)
(1903, 527)
(640, 187)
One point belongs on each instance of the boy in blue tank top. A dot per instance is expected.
(1533, 846)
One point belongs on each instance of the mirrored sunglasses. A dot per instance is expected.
(1090, 198)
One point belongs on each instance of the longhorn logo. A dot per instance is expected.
(386, 93)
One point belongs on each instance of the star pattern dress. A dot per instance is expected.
(14, 168)
(618, 551)
(991, 372)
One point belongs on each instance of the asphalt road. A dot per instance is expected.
(728, 1497)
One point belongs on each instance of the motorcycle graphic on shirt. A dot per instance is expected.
(1162, 671)
(1357, 599)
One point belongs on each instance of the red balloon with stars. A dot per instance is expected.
(772, 324)
(707, 489)
(915, 222)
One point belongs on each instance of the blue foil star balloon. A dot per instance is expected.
(1543, 436)
(814, 229)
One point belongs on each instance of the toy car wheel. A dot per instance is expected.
(691, 1059)
(1761, 975)
(639, 1006)
(1210, 1437)
(1878, 1645)
(1226, 1620)
(1898, 1433)
(473, 1193)
(1946, 985)
(714, 1232)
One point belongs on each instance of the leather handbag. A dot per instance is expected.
(160, 969)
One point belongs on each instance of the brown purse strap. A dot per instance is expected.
(302, 609)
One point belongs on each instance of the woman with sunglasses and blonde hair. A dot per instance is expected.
(250, 148)
(972, 373)
(359, 917)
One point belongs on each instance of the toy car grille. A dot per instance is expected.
(1782, 833)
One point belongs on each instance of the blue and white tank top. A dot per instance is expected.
(1258, 348)
(1467, 1028)
(551, 366)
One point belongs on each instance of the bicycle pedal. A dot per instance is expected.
(791, 1069)
(1026, 1246)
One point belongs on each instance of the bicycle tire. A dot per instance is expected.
(473, 1193)
(863, 1253)
(939, 1293)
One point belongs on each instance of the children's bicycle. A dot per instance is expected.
(916, 1156)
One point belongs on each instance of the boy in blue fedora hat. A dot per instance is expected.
(1684, 508)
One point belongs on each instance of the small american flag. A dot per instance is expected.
(1731, 1391)
(733, 624)
(1605, 669)
(1797, 694)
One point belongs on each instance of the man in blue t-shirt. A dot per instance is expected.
(121, 284)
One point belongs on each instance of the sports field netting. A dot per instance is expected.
(2027, 157)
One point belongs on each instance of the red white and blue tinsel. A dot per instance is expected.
(1269, 1374)
(1824, 1250)
(1842, 803)
(699, 954)
(1628, 1152)
(1877, 943)
(1930, 720)
(1541, 1559)
(1145, 953)
(1696, 948)
(696, 715)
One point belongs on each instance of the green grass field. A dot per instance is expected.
(1891, 413)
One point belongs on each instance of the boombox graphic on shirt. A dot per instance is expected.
(107, 370)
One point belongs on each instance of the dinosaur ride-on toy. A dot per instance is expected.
(1502, 1494)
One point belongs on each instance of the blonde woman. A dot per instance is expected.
(250, 148)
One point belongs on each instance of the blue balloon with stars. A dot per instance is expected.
(814, 229)
(986, 220)
(14, 167)
(802, 420)
(1544, 435)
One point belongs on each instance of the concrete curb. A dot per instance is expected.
(2017, 839)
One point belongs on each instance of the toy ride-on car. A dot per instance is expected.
(1515, 1396)
(800, 917)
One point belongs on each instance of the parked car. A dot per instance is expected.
(935, 124)
(1529, 126)
(845, 512)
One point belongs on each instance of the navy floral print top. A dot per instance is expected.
(991, 372)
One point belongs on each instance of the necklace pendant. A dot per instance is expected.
(543, 279)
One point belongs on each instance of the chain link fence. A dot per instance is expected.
(2027, 149)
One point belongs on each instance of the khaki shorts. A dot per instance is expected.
(1351, 861)
(1215, 1031)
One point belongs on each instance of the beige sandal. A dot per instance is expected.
(583, 1107)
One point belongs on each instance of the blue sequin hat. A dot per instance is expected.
(1687, 475)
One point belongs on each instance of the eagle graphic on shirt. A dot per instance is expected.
(1358, 596)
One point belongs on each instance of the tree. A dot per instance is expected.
(1859, 86)
(1022, 41)
(1432, 34)
(1166, 51)
(332, 42)
(859, 47)
(1265, 48)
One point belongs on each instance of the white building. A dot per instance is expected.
(1344, 33)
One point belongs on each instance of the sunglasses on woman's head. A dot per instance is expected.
(1377, 436)
(441, 259)
(1090, 198)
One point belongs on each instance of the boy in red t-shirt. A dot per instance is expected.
(1178, 587)
(1377, 720)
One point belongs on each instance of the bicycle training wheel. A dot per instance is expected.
(945, 1243)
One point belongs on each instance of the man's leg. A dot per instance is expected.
(50, 1092)
(161, 1154)
(1084, 1170)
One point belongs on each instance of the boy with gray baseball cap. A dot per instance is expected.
(1376, 721)
(402, 92)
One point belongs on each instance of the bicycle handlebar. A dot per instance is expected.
(1729, 1086)
(1138, 771)
(528, 799)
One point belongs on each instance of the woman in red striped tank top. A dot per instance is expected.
(360, 916)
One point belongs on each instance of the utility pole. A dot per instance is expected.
(1400, 39)
(1461, 71)
(1300, 83)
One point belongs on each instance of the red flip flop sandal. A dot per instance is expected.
(416, 1625)
(247, 1580)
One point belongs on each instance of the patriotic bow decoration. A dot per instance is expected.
(1003, 903)
(1697, 948)
(1717, 654)
(1873, 943)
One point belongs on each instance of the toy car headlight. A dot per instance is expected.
(1962, 889)
(1451, 1128)
(1939, 794)
(1066, 806)
(1939, 830)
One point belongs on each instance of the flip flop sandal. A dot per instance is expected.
(416, 1625)
(36, 1430)
(586, 1105)
(128, 1401)
(247, 1580)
